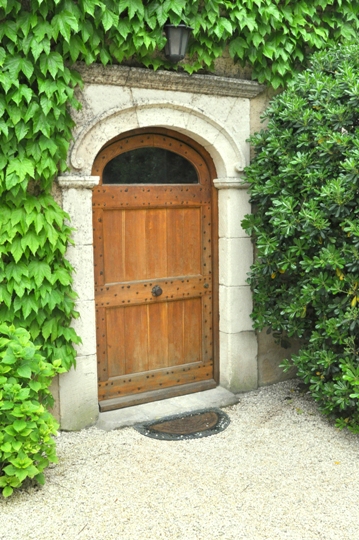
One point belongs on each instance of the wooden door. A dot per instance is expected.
(155, 261)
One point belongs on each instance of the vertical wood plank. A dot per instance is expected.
(192, 330)
(207, 326)
(101, 344)
(135, 245)
(192, 234)
(136, 339)
(156, 243)
(175, 333)
(113, 246)
(157, 336)
(184, 241)
(98, 245)
(116, 352)
(176, 253)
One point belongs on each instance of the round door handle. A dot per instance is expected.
(206, 285)
(156, 291)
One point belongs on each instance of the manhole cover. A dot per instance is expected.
(193, 425)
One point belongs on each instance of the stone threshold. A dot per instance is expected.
(216, 397)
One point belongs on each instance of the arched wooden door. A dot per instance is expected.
(155, 252)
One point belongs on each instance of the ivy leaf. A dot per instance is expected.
(48, 144)
(41, 123)
(9, 29)
(105, 57)
(19, 289)
(31, 111)
(17, 216)
(4, 128)
(76, 46)
(161, 14)
(53, 63)
(28, 304)
(11, 181)
(177, 6)
(22, 168)
(63, 276)
(26, 92)
(135, 7)
(89, 6)
(49, 327)
(21, 130)
(257, 39)
(63, 23)
(14, 113)
(30, 240)
(225, 23)
(16, 249)
(237, 47)
(39, 222)
(124, 27)
(6, 81)
(109, 19)
(39, 271)
(15, 64)
(5, 296)
(2, 56)
(16, 271)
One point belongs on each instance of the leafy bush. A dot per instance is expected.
(304, 185)
(26, 427)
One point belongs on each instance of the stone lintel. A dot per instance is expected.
(168, 80)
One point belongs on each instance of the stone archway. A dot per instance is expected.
(220, 123)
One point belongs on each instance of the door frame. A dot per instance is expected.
(215, 113)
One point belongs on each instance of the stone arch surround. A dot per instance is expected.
(221, 124)
(188, 120)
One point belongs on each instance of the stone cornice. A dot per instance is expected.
(78, 182)
(230, 183)
(168, 80)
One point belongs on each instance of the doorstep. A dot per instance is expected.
(216, 397)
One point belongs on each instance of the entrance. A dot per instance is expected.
(155, 253)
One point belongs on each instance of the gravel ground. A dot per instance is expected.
(279, 471)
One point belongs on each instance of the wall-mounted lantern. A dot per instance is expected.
(177, 41)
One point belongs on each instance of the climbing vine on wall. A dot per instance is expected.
(40, 41)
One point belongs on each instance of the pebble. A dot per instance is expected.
(280, 471)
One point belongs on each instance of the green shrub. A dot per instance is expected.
(26, 427)
(304, 183)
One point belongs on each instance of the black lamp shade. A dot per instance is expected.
(177, 41)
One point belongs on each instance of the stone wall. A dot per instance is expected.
(219, 112)
(270, 355)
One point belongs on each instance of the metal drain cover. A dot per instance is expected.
(193, 425)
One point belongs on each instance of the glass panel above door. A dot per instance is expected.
(149, 165)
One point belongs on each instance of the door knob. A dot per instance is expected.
(156, 290)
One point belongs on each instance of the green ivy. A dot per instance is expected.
(304, 183)
(35, 278)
